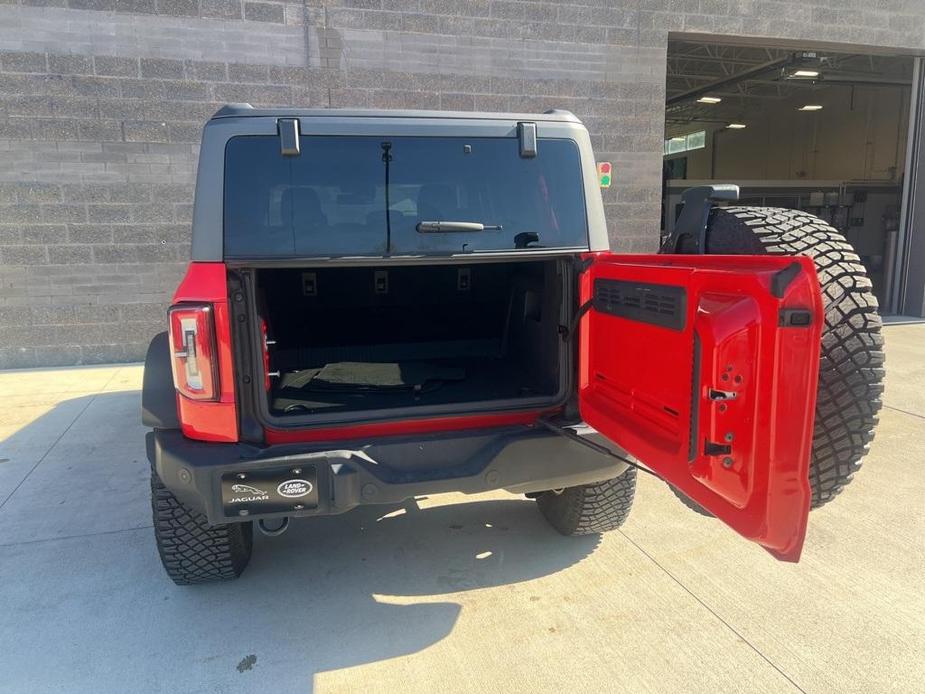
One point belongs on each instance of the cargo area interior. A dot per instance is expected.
(351, 339)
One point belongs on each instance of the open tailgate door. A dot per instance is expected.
(705, 369)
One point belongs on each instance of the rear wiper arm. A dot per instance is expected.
(437, 227)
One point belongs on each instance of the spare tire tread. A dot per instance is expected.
(851, 369)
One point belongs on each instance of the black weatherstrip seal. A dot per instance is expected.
(695, 401)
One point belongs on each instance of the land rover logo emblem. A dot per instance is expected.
(294, 488)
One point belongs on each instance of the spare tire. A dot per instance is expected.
(851, 371)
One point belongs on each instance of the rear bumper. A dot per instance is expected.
(390, 470)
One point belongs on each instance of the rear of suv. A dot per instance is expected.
(382, 305)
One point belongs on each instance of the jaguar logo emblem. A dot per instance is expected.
(245, 493)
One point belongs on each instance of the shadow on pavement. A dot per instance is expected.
(324, 596)
(338, 582)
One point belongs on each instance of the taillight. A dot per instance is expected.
(194, 358)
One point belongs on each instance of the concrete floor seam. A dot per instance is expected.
(846, 620)
(75, 537)
(58, 439)
(714, 613)
(896, 409)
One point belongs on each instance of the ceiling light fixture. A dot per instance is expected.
(811, 107)
(805, 73)
(736, 126)
(709, 100)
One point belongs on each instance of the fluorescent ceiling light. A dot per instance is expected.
(679, 138)
(736, 126)
(811, 107)
(709, 100)
(805, 73)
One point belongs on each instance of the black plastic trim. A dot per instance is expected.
(695, 400)
(158, 395)
(795, 318)
(246, 346)
(695, 216)
(664, 305)
(782, 279)
(520, 459)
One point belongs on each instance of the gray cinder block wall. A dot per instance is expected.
(101, 104)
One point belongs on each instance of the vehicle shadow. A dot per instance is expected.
(356, 574)
(331, 593)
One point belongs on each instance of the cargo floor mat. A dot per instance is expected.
(364, 376)
(346, 386)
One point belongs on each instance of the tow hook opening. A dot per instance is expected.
(273, 532)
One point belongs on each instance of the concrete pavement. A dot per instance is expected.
(449, 593)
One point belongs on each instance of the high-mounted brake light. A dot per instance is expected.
(194, 355)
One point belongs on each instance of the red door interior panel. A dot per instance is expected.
(705, 368)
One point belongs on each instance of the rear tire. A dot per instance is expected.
(851, 370)
(191, 550)
(690, 503)
(591, 508)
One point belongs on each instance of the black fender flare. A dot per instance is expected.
(158, 396)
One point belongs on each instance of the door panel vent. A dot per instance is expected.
(658, 304)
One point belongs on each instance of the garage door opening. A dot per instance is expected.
(815, 130)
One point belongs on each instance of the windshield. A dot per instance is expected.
(332, 198)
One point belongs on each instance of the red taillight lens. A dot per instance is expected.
(194, 356)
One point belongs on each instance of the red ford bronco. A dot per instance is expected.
(385, 304)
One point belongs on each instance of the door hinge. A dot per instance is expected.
(288, 136)
(527, 136)
(582, 264)
(566, 331)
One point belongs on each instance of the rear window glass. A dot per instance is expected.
(332, 199)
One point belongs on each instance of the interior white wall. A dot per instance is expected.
(859, 134)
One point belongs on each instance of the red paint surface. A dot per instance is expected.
(210, 421)
(403, 427)
(636, 380)
(635, 383)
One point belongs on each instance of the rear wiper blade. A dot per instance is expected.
(437, 227)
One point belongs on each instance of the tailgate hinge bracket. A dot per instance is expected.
(566, 331)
